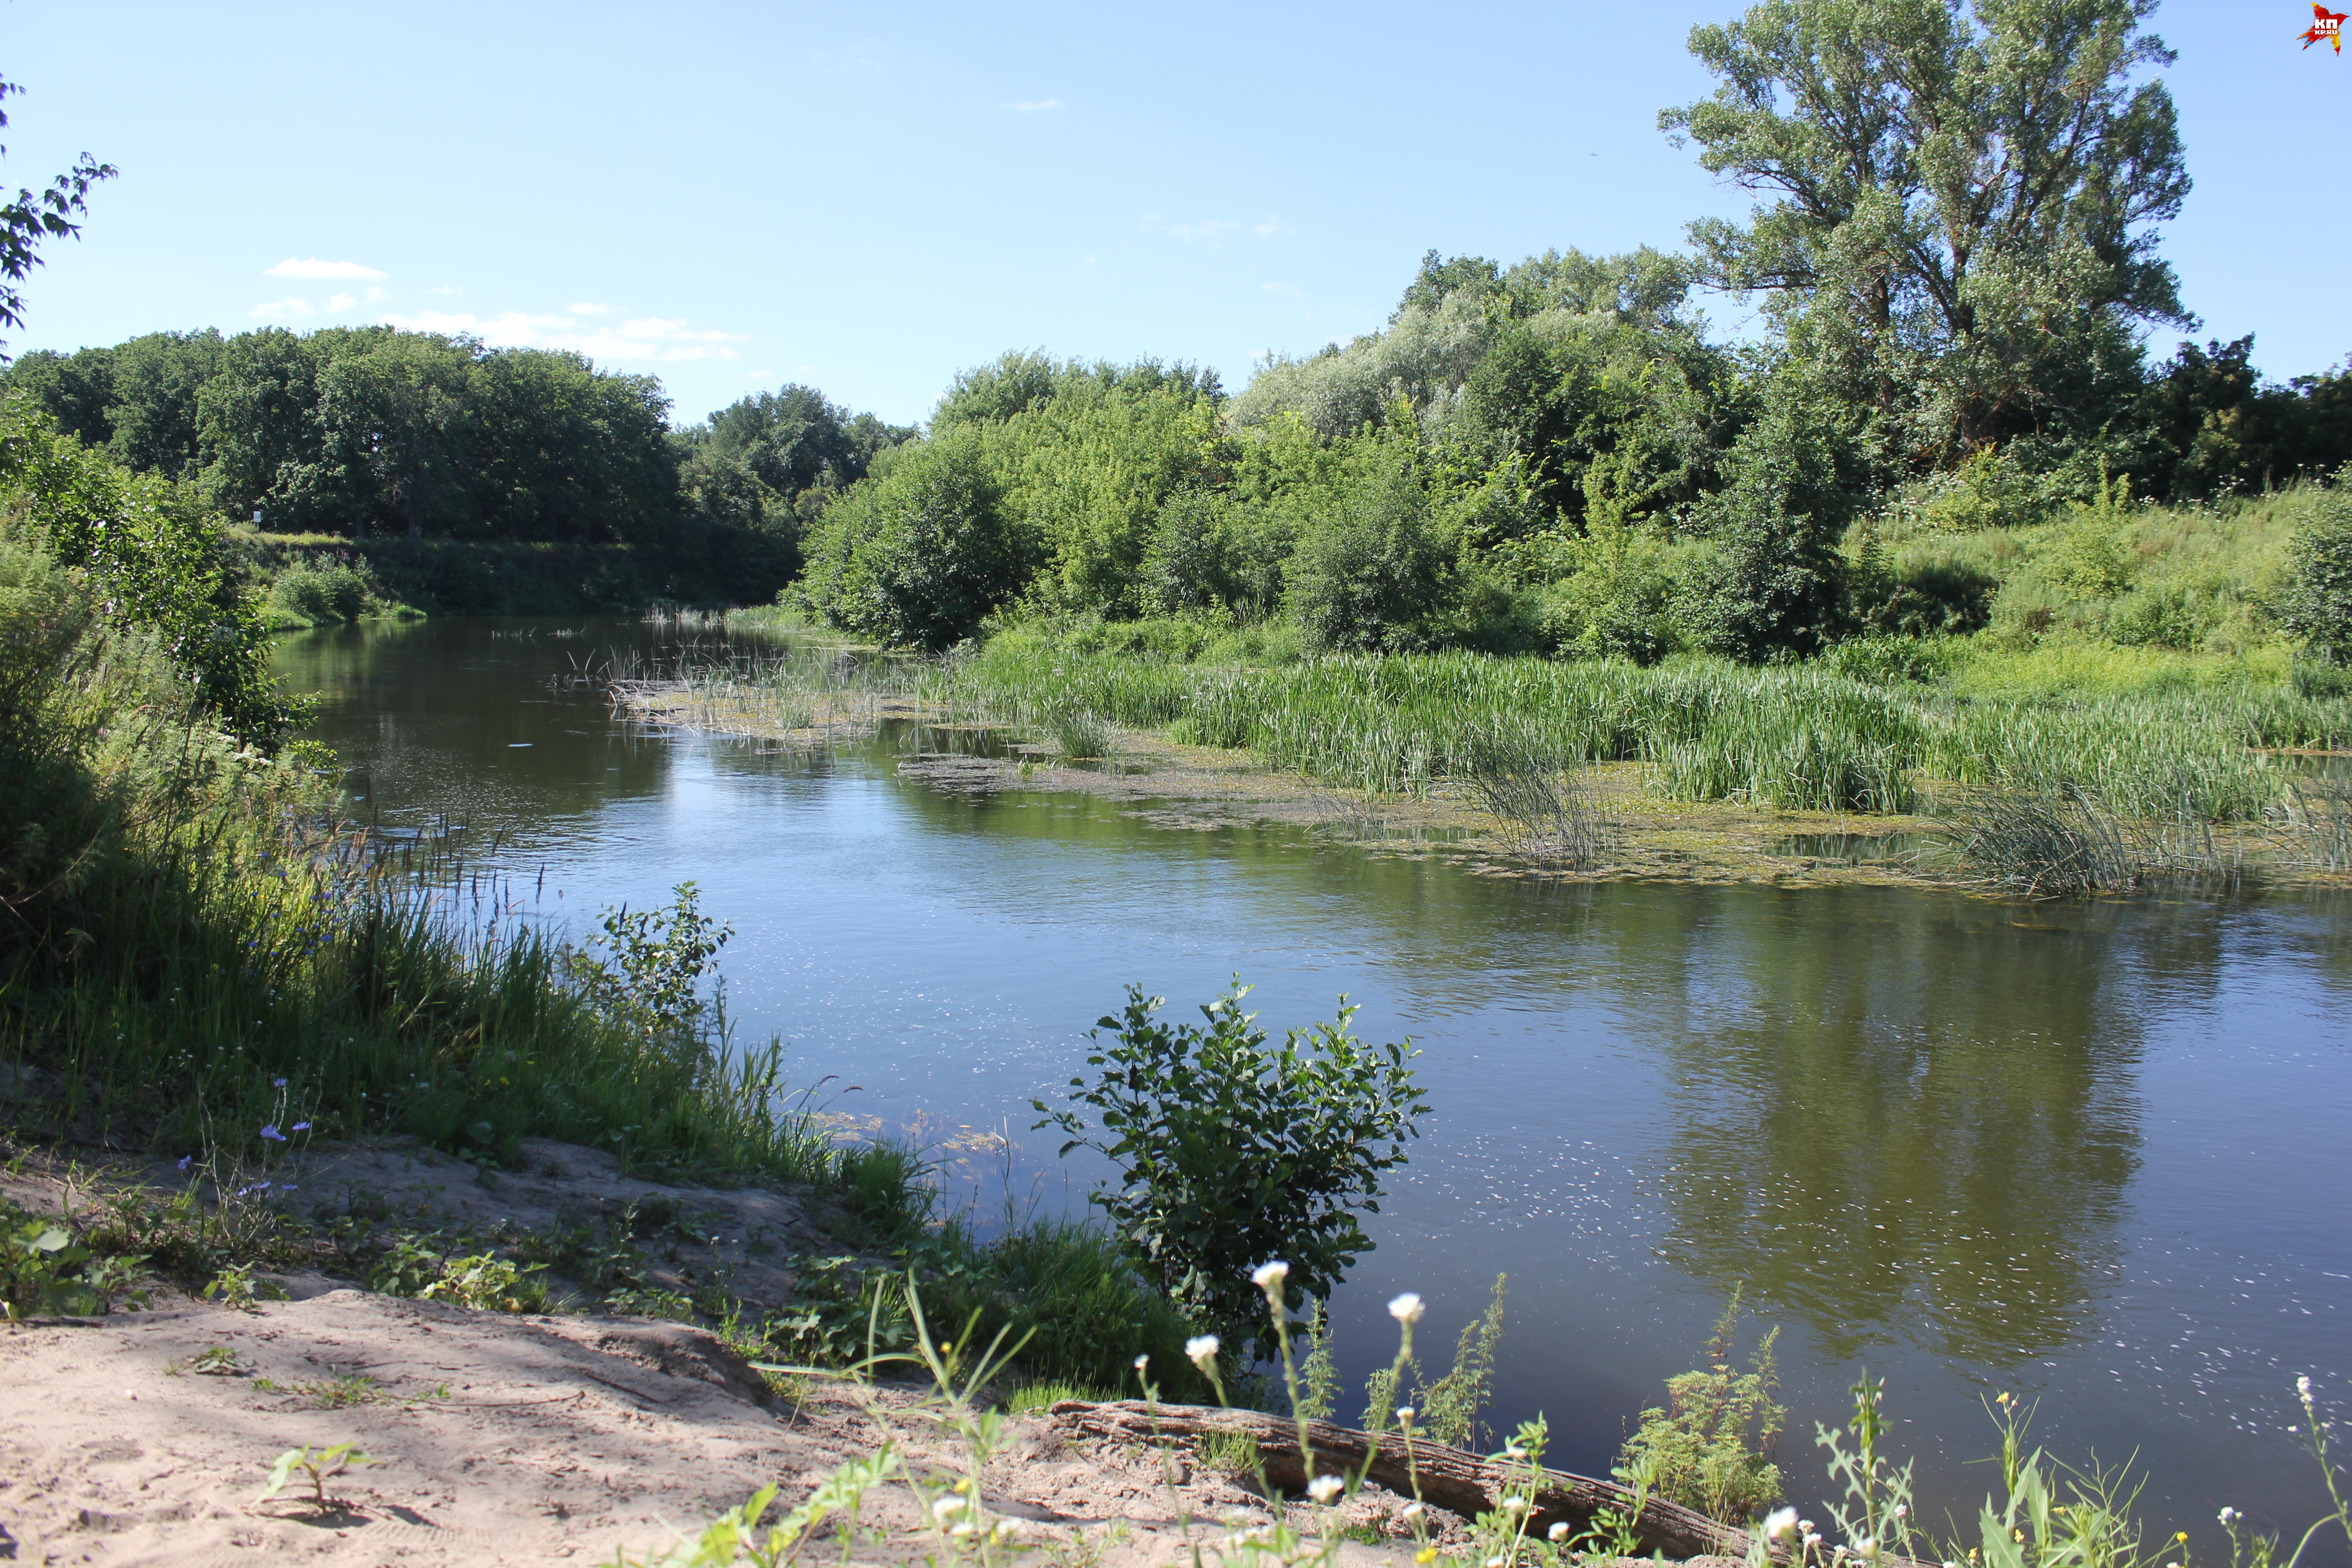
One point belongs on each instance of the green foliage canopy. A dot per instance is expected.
(1959, 204)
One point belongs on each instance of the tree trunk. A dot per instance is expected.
(1447, 1477)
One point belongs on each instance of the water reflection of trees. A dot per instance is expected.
(1914, 1118)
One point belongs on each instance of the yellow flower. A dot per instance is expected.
(1426, 1555)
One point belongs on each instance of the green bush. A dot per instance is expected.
(1189, 565)
(155, 553)
(1930, 598)
(1778, 585)
(1619, 603)
(1373, 571)
(917, 558)
(1231, 1153)
(2317, 608)
(1710, 1446)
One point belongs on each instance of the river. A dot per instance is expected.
(2097, 1154)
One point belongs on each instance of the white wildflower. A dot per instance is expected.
(1413, 1510)
(947, 1508)
(1515, 1505)
(1406, 1309)
(1270, 1276)
(1497, 1562)
(1141, 1362)
(1404, 1415)
(1901, 1511)
(1202, 1350)
(2229, 1516)
(1323, 1488)
(1514, 1453)
(1781, 1522)
(1559, 1531)
(2302, 1389)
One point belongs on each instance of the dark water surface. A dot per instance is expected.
(2097, 1154)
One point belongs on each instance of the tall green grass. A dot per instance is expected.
(1801, 738)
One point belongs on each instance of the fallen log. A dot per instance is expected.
(1446, 1477)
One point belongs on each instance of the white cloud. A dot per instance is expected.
(648, 339)
(313, 267)
(590, 309)
(1033, 108)
(1267, 227)
(342, 302)
(375, 293)
(445, 288)
(283, 310)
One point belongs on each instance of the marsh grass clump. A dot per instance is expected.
(2047, 844)
(1079, 735)
(2319, 817)
(1547, 816)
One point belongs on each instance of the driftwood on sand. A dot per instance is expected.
(1447, 1477)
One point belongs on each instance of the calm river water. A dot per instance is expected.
(2099, 1154)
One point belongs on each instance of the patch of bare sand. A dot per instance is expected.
(497, 1439)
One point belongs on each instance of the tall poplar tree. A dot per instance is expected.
(1959, 204)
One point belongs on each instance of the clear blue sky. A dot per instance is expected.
(869, 198)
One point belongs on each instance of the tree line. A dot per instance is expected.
(367, 432)
(1955, 247)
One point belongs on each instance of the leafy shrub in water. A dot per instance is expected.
(1710, 1447)
(654, 962)
(1231, 1151)
(323, 590)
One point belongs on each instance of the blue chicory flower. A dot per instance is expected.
(277, 1082)
(183, 1161)
(270, 1134)
(301, 1127)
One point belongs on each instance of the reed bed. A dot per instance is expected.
(1800, 739)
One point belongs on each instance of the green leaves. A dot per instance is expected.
(319, 1466)
(1231, 1153)
(1958, 207)
(2318, 605)
(40, 1266)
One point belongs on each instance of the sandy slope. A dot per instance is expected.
(502, 1439)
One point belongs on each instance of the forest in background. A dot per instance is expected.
(375, 451)
(1952, 418)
